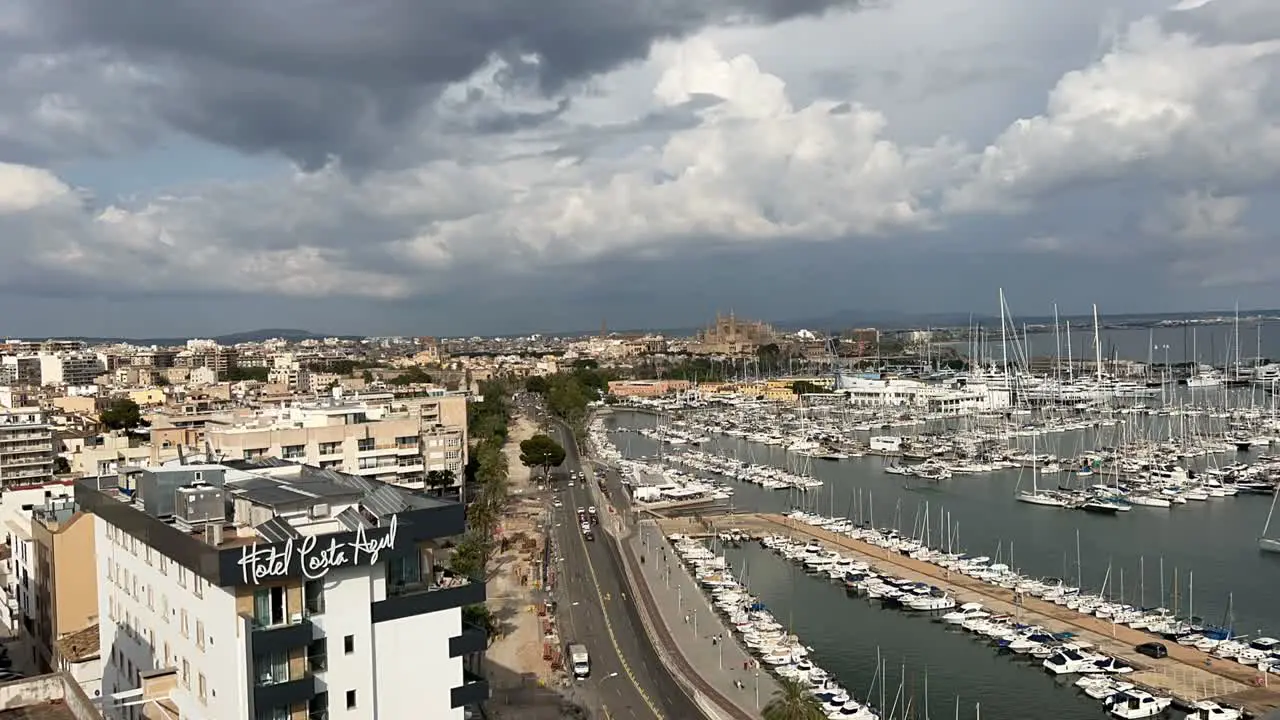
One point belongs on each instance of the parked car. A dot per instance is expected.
(1153, 650)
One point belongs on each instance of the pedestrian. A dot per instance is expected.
(686, 618)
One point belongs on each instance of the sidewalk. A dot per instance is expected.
(677, 597)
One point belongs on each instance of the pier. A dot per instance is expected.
(1187, 674)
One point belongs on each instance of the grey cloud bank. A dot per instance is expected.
(486, 168)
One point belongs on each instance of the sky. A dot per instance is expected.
(179, 167)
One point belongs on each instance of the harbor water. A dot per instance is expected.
(1200, 558)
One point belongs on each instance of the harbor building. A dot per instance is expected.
(954, 399)
(257, 589)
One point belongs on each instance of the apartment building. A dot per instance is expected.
(70, 369)
(19, 370)
(24, 571)
(265, 589)
(215, 357)
(65, 582)
(390, 440)
(108, 453)
(26, 448)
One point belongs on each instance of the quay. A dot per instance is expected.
(1187, 674)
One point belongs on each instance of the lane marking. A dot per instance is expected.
(608, 626)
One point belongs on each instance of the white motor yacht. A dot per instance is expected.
(930, 603)
(1210, 710)
(967, 611)
(1136, 704)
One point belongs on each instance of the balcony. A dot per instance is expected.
(472, 640)
(407, 600)
(288, 692)
(283, 637)
(473, 691)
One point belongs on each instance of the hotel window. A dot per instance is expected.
(403, 570)
(349, 644)
(269, 607)
(293, 452)
(313, 597)
(272, 668)
(186, 674)
(199, 633)
(351, 699)
(201, 688)
(330, 448)
(197, 585)
(365, 444)
(186, 633)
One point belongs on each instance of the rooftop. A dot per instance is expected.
(80, 645)
(262, 500)
(53, 710)
(55, 696)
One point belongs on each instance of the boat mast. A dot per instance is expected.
(1057, 344)
(1004, 339)
(1097, 345)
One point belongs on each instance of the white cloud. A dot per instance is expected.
(745, 153)
(23, 189)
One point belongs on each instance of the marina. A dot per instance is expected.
(965, 596)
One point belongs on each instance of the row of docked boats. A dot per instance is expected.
(1262, 653)
(776, 649)
(768, 477)
(1058, 653)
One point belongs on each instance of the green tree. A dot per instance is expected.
(60, 465)
(121, 414)
(482, 617)
(239, 374)
(804, 387)
(367, 376)
(536, 384)
(793, 701)
(541, 451)
(412, 376)
(438, 480)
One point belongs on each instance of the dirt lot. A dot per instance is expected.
(522, 681)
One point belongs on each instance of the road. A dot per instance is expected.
(627, 677)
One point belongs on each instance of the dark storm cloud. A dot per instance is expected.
(319, 78)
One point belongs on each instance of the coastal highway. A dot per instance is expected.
(627, 678)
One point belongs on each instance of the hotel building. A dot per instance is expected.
(269, 590)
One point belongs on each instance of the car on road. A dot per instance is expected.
(1153, 650)
(557, 503)
(570, 483)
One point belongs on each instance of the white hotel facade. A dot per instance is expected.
(268, 590)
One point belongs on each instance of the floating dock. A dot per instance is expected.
(1187, 674)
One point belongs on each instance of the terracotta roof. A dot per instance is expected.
(80, 645)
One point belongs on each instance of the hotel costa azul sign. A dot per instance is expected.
(312, 556)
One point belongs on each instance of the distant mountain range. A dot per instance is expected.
(290, 334)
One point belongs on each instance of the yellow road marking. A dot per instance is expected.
(608, 626)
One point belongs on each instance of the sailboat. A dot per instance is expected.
(1268, 544)
(1036, 496)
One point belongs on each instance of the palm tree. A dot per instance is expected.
(792, 701)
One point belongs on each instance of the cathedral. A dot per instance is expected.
(730, 336)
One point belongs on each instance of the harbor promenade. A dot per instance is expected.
(691, 623)
(1187, 674)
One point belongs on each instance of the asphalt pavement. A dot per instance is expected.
(627, 678)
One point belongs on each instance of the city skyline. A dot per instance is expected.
(515, 177)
